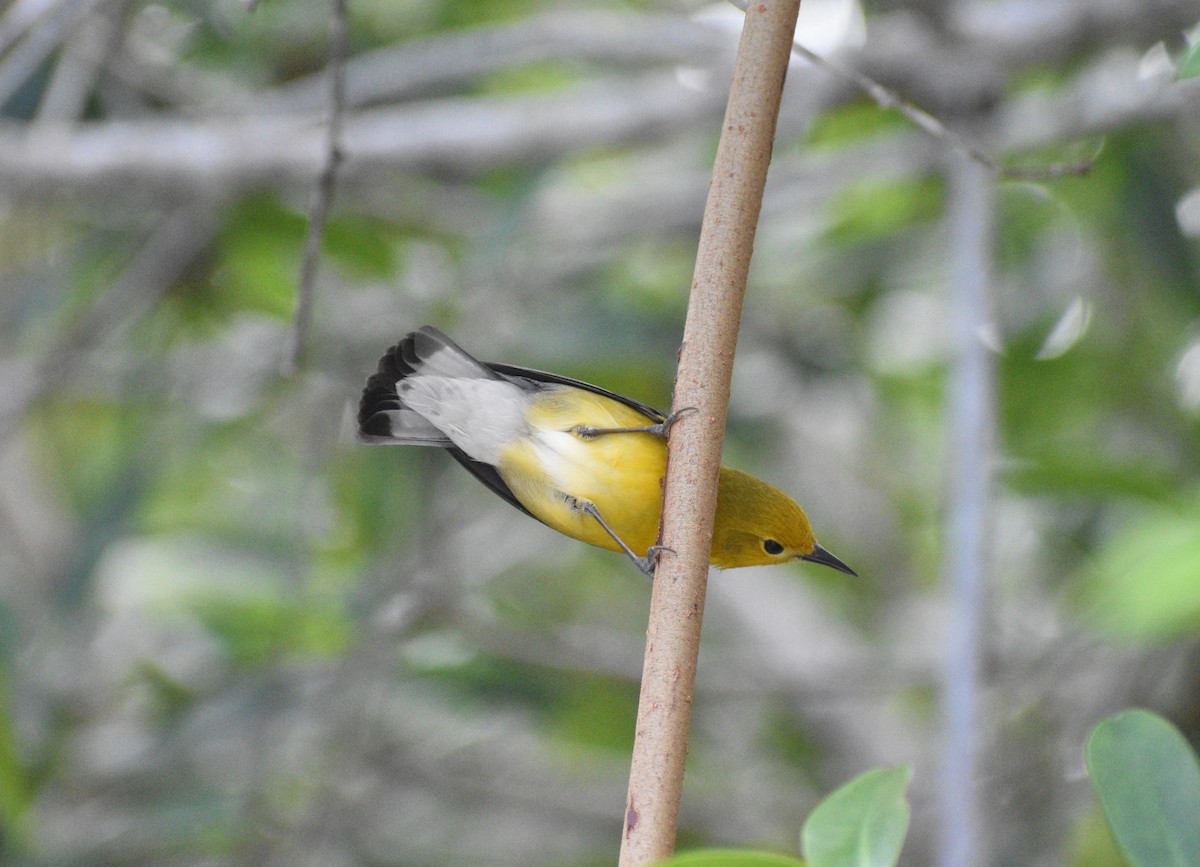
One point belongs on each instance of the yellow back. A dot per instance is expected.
(621, 473)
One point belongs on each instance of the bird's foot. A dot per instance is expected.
(649, 563)
(661, 428)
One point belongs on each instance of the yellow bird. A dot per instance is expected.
(579, 458)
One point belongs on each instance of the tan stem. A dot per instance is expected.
(705, 369)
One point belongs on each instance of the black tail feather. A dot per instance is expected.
(380, 396)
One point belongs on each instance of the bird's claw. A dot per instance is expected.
(664, 426)
(650, 562)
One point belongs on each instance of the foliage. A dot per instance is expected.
(1147, 778)
(1189, 66)
(862, 824)
(1143, 587)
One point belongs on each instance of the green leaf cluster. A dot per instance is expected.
(1147, 779)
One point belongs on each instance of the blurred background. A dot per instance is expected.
(231, 635)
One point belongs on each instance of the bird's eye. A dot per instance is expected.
(772, 547)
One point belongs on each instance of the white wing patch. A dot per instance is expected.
(561, 454)
(480, 416)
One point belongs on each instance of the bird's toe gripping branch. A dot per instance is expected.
(667, 423)
(650, 562)
(661, 428)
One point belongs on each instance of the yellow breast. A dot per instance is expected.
(555, 468)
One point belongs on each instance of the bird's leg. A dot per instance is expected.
(645, 564)
(661, 428)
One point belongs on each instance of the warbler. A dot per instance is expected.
(577, 457)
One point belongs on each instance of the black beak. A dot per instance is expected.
(820, 555)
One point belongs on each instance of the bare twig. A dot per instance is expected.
(323, 195)
(703, 380)
(888, 99)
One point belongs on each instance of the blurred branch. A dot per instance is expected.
(460, 136)
(32, 40)
(1091, 106)
(470, 135)
(969, 407)
(889, 99)
(160, 76)
(177, 239)
(848, 669)
(92, 41)
(20, 16)
(467, 136)
(323, 195)
(445, 61)
(933, 126)
(1048, 33)
(967, 66)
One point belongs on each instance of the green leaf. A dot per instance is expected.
(1189, 66)
(862, 824)
(254, 630)
(1148, 782)
(872, 210)
(259, 254)
(362, 244)
(1143, 583)
(852, 123)
(730, 858)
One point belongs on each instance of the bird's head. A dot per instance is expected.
(759, 525)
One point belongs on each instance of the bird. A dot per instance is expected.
(581, 459)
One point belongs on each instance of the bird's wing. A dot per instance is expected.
(487, 474)
(541, 376)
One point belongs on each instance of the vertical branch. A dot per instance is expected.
(970, 209)
(323, 195)
(705, 367)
